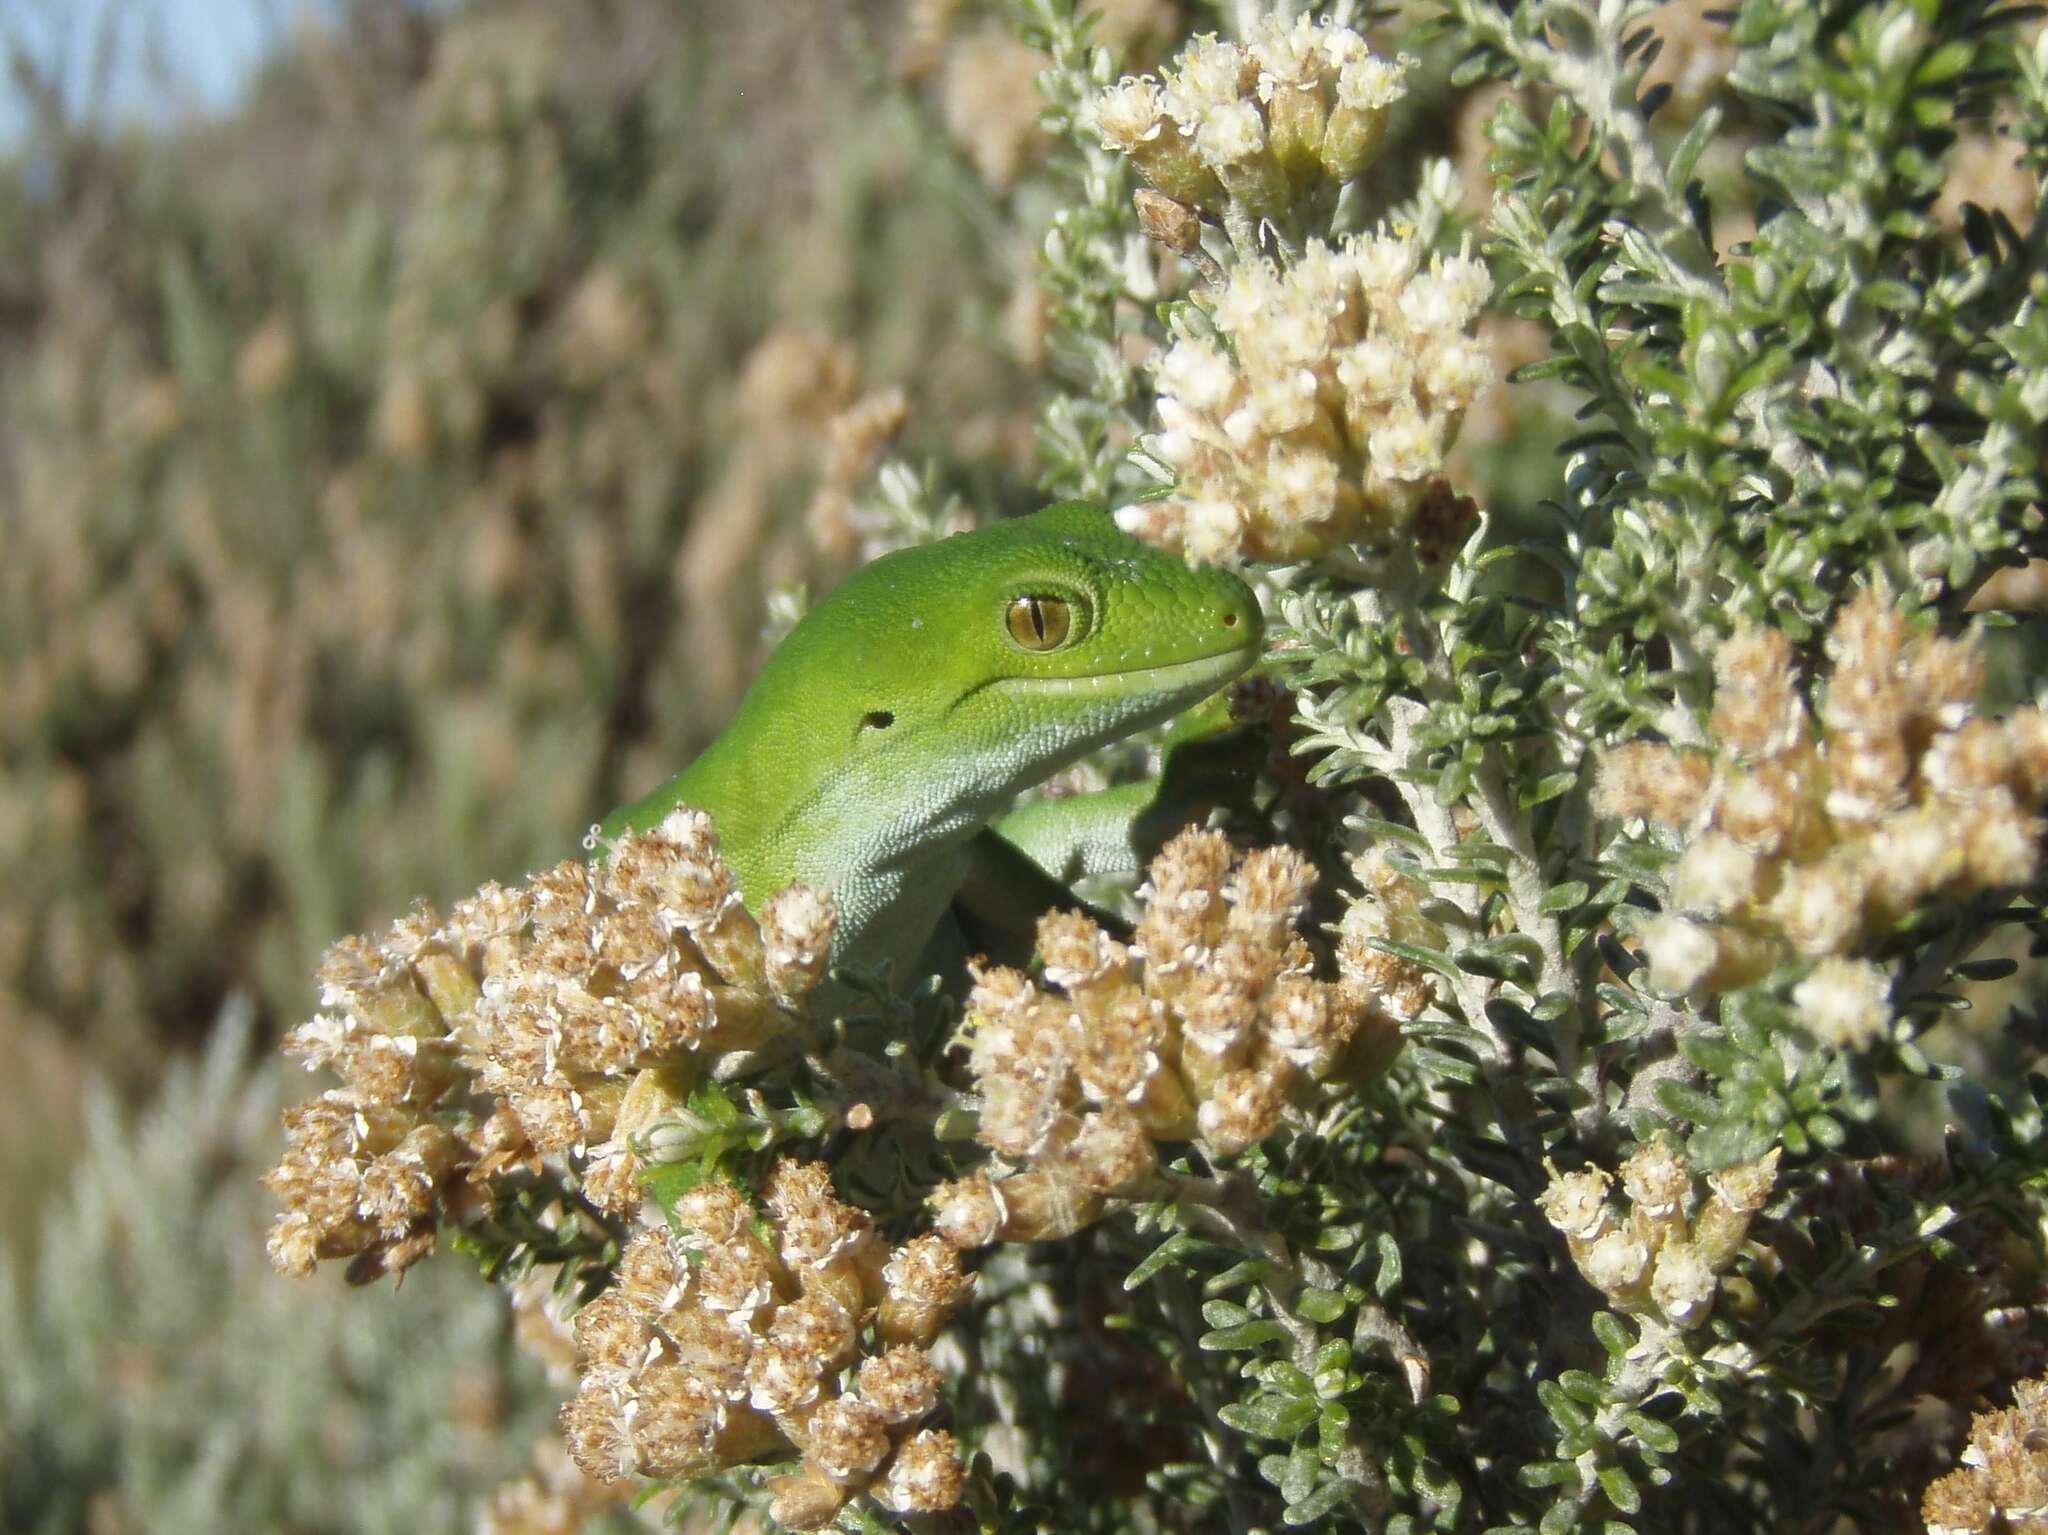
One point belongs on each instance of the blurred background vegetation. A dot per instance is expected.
(395, 470)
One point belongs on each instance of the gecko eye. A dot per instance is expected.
(1040, 623)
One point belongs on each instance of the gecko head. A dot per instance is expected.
(996, 657)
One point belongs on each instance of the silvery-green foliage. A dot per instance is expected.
(1093, 259)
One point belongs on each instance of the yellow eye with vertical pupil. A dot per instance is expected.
(1040, 623)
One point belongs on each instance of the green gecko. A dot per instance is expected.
(899, 719)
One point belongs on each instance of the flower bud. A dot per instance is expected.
(1295, 118)
(1167, 222)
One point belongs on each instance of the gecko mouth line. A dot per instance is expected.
(1221, 665)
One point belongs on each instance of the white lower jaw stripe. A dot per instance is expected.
(1161, 679)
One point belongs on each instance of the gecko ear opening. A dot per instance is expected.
(877, 719)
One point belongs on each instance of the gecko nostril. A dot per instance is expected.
(1230, 620)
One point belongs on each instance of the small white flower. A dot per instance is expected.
(1681, 952)
(1301, 487)
(1254, 291)
(1368, 84)
(1209, 75)
(1576, 1203)
(1819, 907)
(1384, 264)
(1455, 372)
(1130, 113)
(1343, 44)
(1180, 419)
(1656, 1180)
(1243, 426)
(1615, 1263)
(2001, 844)
(320, 1040)
(1716, 875)
(1845, 1002)
(1288, 54)
(1230, 132)
(1158, 523)
(1213, 530)
(1468, 280)
(1284, 404)
(1407, 445)
(1683, 1284)
(1293, 332)
(1199, 374)
(1175, 448)
(1322, 279)
(1375, 370)
(1434, 306)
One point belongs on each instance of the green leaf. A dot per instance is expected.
(1321, 1502)
(1430, 959)
(1685, 155)
(1453, 781)
(1278, 1375)
(1712, 1053)
(1388, 1279)
(1547, 788)
(1569, 1415)
(1237, 1277)
(1547, 1473)
(1248, 1335)
(1225, 1313)
(1688, 1102)
(1173, 1252)
(1437, 1063)
(1652, 1432)
(1268, 1416)
(708, 1101)
(1298, 1482)
(1321, 1306)
(1564, 897)
(1582, 1386)
(1614, 1334)
(1620, 1490)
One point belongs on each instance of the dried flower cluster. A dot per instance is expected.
(1314, 405)
(2002, 1484)
(563, 1018)
(1208, 1027)
(1664, 1256)
(1245, 129)
(1806, 845)
(1388, 909)
(554, 1497)
(736, 1344)
(1320, 411)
